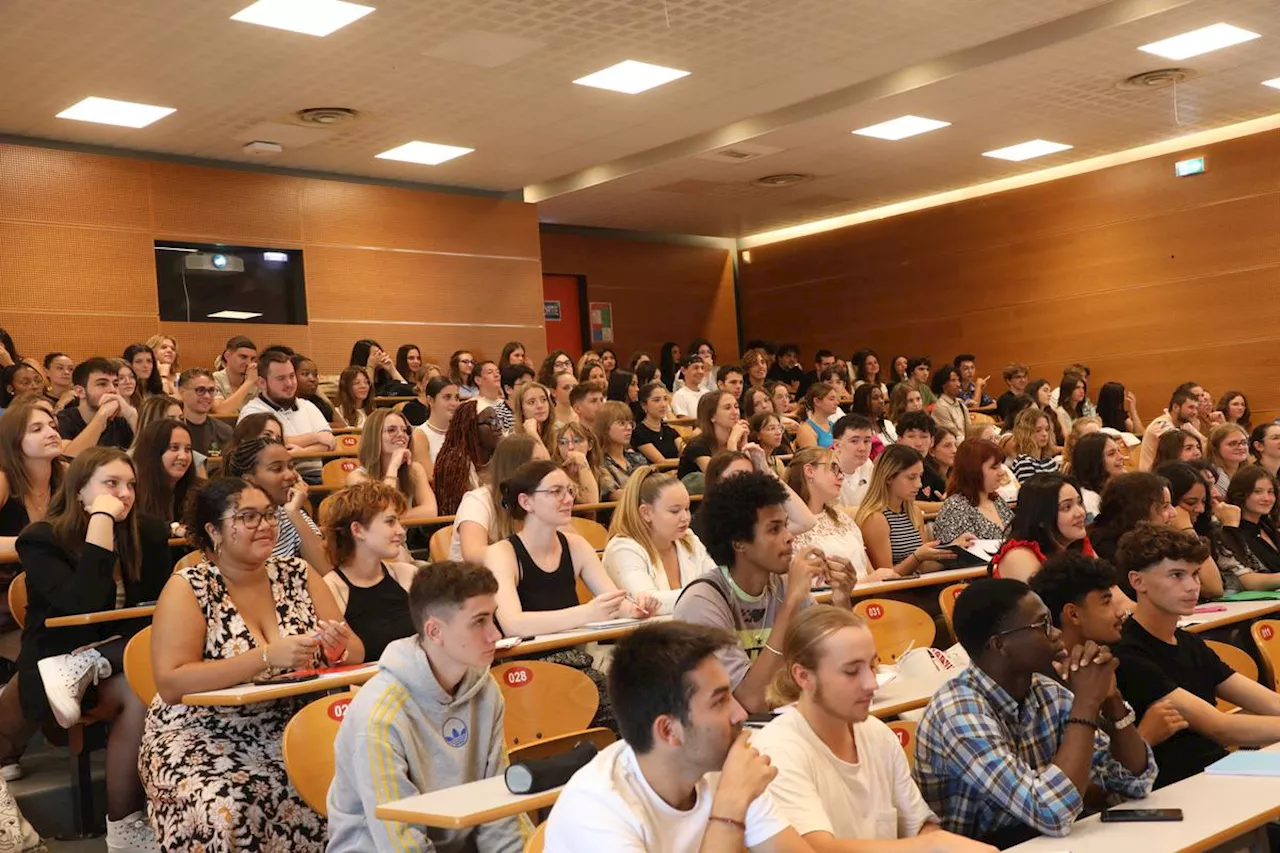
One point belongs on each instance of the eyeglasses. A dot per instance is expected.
(466, 361)
(833, 467)
(558, 492)
(567, 440)
(252, 518)
(1044, 625)
(204, 392)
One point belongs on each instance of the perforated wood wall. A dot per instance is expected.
(659, 291)
(397, 265)
(1150, 279)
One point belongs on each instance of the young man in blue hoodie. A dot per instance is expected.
(431, 718)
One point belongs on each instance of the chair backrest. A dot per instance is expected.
(1236, 658)
(896, 626)
(439, 544)
(347, 445)
(137, 666)
(548, 747)
(544, 700)
(906, 732)
(539, 837)
(335, 471)
(592, 531)
(947, 603)
(18, 599)
(1266, 634)
(307, 746)
(189, 559)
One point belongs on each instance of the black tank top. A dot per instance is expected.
(378, 614)
(13, 516)
(543, 590)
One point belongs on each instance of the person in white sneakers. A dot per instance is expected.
(684, 778)
(92, 553)
(843, 779)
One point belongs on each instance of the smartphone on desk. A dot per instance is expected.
(285, 678)
(1141, 815)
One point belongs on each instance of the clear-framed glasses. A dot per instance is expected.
(558, 493)
(202, 391)
(570, 440)
(1045, 626)
(252, 518)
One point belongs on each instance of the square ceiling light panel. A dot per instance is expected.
(631, 77)
(310, 17)
(1274, 84)
(1027, 150)
(1196, 42)
(901, 128)
(119, 113)
(424, 153)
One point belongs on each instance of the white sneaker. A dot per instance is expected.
(131, 834)
(11, 772)
(67, 677)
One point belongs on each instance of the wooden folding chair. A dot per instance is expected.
(1266, 634)
(137, 666)
(592, 531)
(18, 599)
(1239, 660)
(307, 746)
(947, 603)
(550, 746)
(335, 471)
(537, 840)
(438, 547)
(348, 444)
(544, 700)
(896, 626)
(906, 732)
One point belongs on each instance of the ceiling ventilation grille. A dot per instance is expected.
(1158, 79)
(325, 116)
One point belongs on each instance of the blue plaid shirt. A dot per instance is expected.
(969, 390)
(984, 762)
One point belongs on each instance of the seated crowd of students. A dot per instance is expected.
(1079, 677)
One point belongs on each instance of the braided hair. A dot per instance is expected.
(460, 455)
(244, 457)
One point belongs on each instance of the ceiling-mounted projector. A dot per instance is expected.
(213, 262)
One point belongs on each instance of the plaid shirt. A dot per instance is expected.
(984, 763)
(968, 391)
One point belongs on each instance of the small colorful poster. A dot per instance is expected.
(601, 322)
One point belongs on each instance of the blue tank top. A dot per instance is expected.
(824, 435)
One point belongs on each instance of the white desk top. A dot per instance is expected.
(568, 639)
(247, 694)
(907, 694)
(1237, 611)
(887, 588)
(465, 805)
(1215, 809)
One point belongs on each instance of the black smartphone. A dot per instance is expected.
(1141, 815)
(285, 678)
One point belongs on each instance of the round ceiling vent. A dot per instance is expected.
(325, 116)
(786, 179)
(1157, 79)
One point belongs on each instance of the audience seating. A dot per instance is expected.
(534, 845)
(18, 599)
(307, 746)
(439, 544)
(592, 531)
(896, 626)
(947, 604)
(544, 700)
(548, 747)
(1239, 660)
(1266, 634)
(335, 471)
(137, 666)
(906, 732)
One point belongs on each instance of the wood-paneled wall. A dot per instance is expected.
(77, 271)
(659, 291)
(1149, 279)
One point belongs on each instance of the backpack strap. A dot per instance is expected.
(733, 611)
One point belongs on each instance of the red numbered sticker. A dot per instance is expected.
(519, 676)
(338, 709)
(1267, 632)
(904, 737)
(349, 440)
(348, 465)
(874, 611)
(955, 593)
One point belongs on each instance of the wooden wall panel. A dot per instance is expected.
(659, 291)
(1150, 279)
(77, 271)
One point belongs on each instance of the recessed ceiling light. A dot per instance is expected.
(234, 315)
(1274, 84)
(311, 17)
(1027, 150)
(631, 77)
(426, 153)
(1199, 41)
(901, 128)
(119, 113)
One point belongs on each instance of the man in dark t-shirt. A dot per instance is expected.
(787, 368)
(208, 434)
(101, 416)
(1159, 660)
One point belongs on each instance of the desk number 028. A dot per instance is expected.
(518, 676)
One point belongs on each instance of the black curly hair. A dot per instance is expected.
(729, 511)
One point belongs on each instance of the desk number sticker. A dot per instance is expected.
(904, 736)
(1267, 632)
(519, 676)
(874, 611)
(338, 709)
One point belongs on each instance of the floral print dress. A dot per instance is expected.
(214, 776)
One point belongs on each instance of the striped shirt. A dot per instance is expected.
(904, 538)
(288, 541)
(1025, 467)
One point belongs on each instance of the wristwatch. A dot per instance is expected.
(1127, 720)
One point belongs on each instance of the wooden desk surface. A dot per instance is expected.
(887, 588)
(465, 805)
(908, 694)
(247, 694)
(101, 616)
(1237, 611)
(568, 639)
(1215, 810)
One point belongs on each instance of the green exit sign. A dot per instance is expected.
(1184, 168)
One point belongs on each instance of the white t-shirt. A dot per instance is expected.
(476, 505)
(684, 402)
(609, 805)
(631, 568)
(856, 483)
(435, 440)
(874, 799)
(299, 421)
